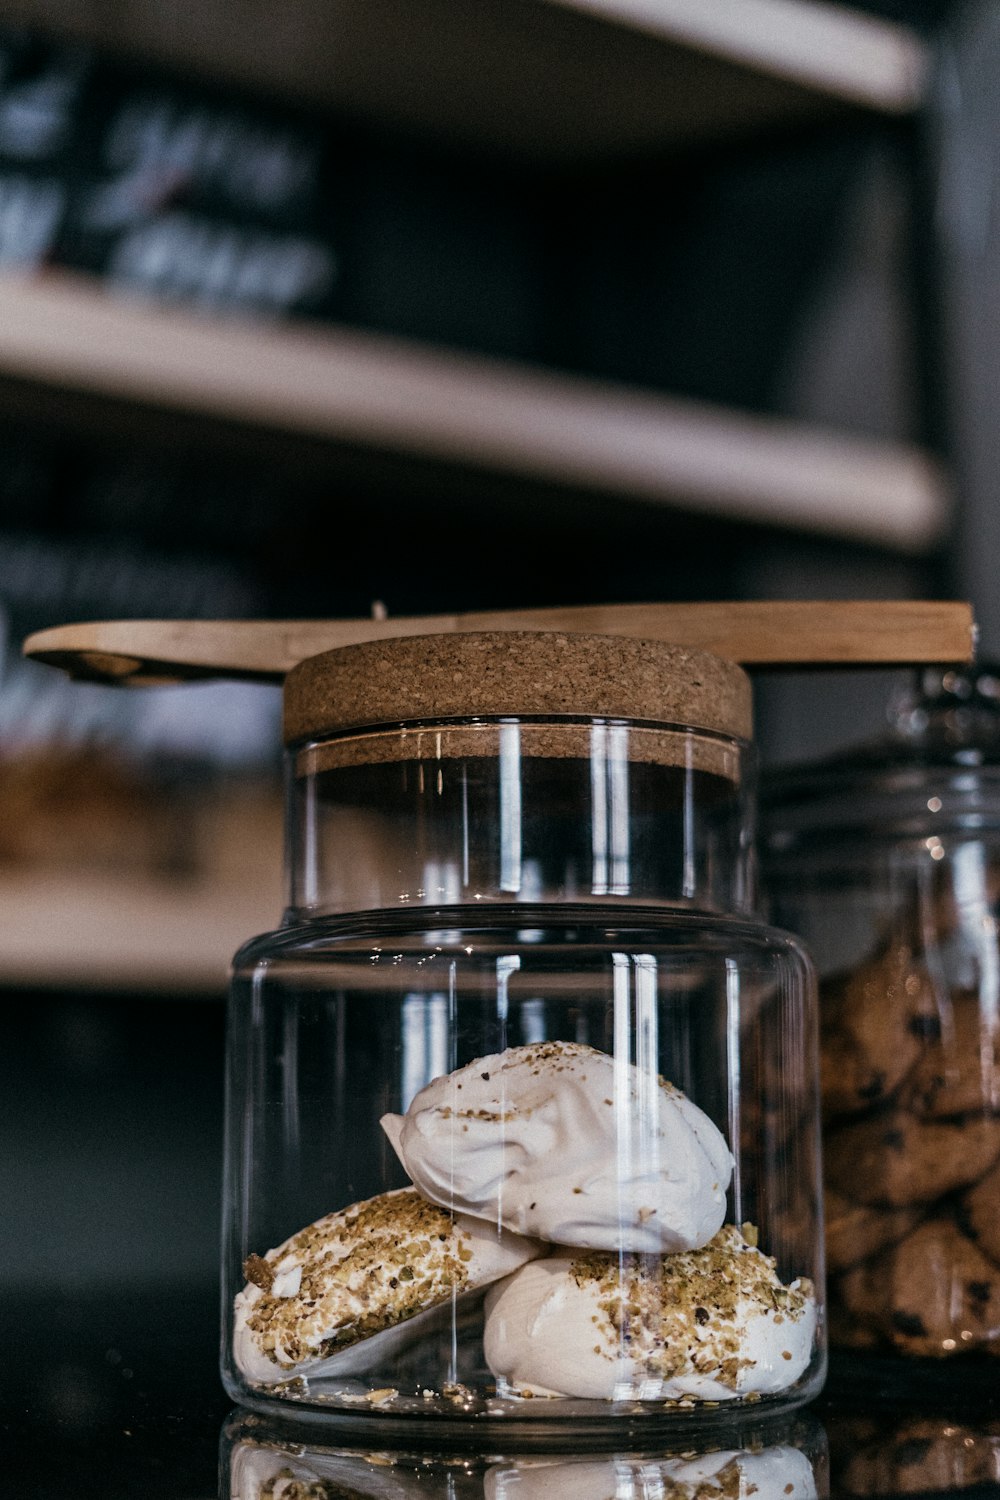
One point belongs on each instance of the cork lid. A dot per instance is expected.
(519, 673)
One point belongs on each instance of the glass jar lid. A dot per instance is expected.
(938, 761)
(414, 679)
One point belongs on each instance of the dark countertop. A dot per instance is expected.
(119, 1397)
(110, 1191)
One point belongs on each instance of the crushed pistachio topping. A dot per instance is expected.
(259, 1271)
(543, 1058)
(678, 1314)
(364, 1269)
(727, 1484)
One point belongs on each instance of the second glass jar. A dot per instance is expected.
(886, 859)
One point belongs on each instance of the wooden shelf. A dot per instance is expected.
(544, 80)
(133, 930)
(547, 83)
(104, 932)
(371, 394)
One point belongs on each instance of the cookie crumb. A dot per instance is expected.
(381, 1396)
(259, 1271)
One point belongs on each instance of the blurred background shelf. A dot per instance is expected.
(310, 309)
(193, 878)
(539, 80)
(361, 391)
(437, 308)
(106, 933)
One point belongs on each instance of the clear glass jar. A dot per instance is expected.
(886, 860)
(522, 1122)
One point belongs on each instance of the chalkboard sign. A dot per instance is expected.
(162, 189)
(189, 193)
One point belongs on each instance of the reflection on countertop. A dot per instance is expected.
(898, 1426)
(264, 1460)
(913, 1453)
(115, 1395)
(918, 1454)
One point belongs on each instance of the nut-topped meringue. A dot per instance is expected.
(339, 1295)
(711, 1324)
(559, 1141)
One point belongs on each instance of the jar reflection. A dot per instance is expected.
(265, 1460)
(917, 1453)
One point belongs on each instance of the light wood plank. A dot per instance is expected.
(755, 633)
(347, 386)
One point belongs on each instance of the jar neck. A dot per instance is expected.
(518, 810)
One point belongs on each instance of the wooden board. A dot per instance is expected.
(754, 633)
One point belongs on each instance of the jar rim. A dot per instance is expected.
(516, 673)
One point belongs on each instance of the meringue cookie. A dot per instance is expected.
(344, 1293)
(713, 1324)
(780, 1472)
(556, 1140)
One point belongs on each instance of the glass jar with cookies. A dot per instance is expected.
(522, 1098)
(886, 860)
